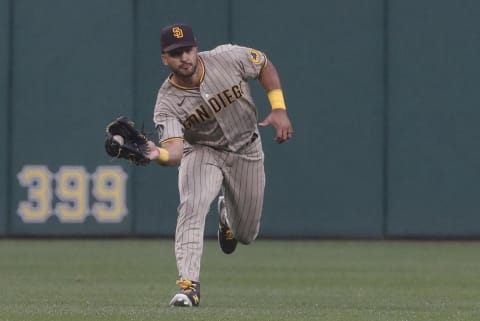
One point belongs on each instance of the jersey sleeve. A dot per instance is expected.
(251, 61)
(167, 125)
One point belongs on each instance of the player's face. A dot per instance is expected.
(182, 61)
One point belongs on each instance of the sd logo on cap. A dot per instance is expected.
(177, 36)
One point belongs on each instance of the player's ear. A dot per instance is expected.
(164, 58)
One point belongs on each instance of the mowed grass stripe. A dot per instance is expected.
(268, 280)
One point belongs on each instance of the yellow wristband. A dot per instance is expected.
(276, 99)
(163, 156)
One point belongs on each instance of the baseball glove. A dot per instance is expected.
(123, 140)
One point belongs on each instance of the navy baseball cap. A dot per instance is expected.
(177, 36)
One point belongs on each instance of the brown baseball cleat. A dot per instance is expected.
(188, 296)
(226, 239)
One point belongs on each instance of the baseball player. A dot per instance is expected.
(206, 122)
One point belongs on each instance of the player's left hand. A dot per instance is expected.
(152, 151)
(278, 118)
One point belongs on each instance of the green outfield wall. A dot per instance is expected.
(382, 95)
(433, 132)
(4, 112)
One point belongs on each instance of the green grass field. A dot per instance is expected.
(116, 280)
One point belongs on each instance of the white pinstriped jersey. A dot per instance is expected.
(221, 112)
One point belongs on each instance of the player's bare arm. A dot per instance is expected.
(174, 152)
(278, 118)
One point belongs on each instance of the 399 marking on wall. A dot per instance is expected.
(72, 189)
